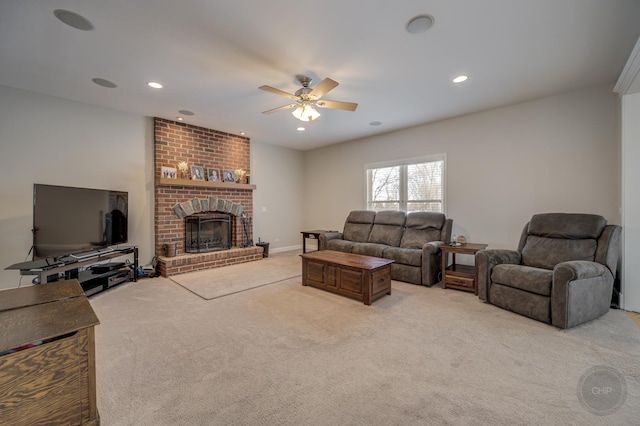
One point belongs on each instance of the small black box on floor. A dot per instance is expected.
(265, 246)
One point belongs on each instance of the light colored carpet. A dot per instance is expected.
(284, 354)
(218, 282)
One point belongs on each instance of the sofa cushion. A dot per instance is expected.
(542, 252)
(406, 273)
(369, 249)
(533, 280)
(422, 227)
(567, 225)
(358, 225)
(404, 256)
(424, 220)
(340, 245)
(388, 227)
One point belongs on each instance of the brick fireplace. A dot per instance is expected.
(198, 146)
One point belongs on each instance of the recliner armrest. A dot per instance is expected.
(578, 270)
(327, 236)
(581, 291)
(485, 261)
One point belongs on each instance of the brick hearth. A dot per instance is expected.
(168, 266)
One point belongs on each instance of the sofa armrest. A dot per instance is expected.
(431, 262)
(485, 261)
(581, 291)
(432, 247)
(327, 236)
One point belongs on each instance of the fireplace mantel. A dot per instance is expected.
(203, 184)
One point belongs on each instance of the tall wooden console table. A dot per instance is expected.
(47, 356)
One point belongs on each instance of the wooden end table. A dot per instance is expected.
(312, 235)
(461, 277)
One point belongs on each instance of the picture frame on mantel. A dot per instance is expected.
(197, 173)
(169, 172)
(213, 175)
(229, 176)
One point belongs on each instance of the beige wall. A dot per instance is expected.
(54, 141)
(278, 201)
(558, 154)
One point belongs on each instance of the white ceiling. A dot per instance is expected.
(212, 55)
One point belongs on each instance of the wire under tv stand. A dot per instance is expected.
(70, 267)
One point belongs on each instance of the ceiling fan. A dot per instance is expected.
(307, 99)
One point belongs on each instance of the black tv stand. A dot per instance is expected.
(50, 270)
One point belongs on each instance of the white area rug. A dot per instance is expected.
(219, 282)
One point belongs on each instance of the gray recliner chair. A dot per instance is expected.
(562, 272)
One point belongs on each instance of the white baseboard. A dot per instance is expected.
(282, 249)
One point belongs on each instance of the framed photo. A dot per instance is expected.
(213, 175)
(169, 172)
(229, 176)
(197, 173)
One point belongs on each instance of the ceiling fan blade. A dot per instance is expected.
(346, 106)
(282, 108)
(277, 92)
(323, 88)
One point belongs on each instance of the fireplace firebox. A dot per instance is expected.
(208, 232)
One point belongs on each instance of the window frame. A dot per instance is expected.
(402, 203)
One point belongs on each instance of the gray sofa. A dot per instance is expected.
(562, 272)
(412, 240)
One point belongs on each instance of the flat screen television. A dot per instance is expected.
(69, 220)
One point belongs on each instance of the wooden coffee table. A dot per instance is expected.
(363, 278)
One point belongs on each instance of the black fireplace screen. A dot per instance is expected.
(207, 232)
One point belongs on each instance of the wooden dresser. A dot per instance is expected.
(54, 381)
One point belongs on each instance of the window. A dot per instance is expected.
(410, 185)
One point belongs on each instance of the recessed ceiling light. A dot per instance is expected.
(186, 112)
(155, 85)
(241, 133)
(104, 83)
(179, 118)
(375, 123)
(73, 20)
(301, 129)
(419, 24)
(460, 79)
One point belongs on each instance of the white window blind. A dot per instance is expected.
(408, 185)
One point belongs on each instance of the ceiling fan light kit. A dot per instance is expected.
(306, 112)
(307, 99)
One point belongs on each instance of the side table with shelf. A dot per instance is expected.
(461, 277)
(312, 235)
